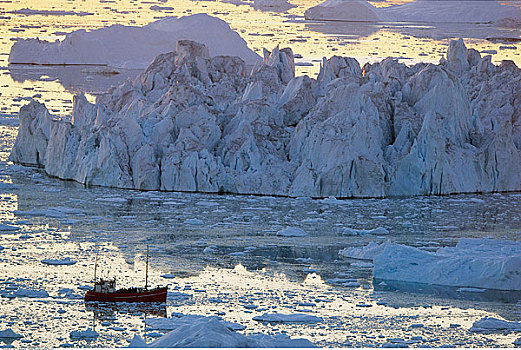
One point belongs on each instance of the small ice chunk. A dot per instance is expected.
(111, 200)
(292, 232)
(210, 249)
(470, 290)
(362, 264)
(288, 318)
(9, 334)
(361, 232)
(207, 203)
(5, 227)
(168, 275)
(86, 334)
(195, 222)
(66, 261)
(346, 282)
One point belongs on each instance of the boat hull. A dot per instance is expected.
(157, 295)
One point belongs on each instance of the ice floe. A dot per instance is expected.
(200, 124)
(495, 325)
(133, 47)
(475, 263)
(27, 293)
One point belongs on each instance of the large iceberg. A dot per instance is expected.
(132, 46)
(476, 263)
(192, 122)
(451, 11)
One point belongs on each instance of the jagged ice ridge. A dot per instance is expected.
(192, 122)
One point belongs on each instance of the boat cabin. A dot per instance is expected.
(105, 286)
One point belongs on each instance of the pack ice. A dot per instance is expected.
(419, 11)
(132, 46)
(478, 263)
(192, 122)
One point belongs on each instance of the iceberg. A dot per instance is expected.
(195, 123)
(345, 10)
(472, 263)
(133, 47)
(433, 11)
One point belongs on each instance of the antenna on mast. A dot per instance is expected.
(146, 270)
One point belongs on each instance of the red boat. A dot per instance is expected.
(105, 291)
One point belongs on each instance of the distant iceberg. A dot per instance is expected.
(131, 46)
(192, 122)
(427, 11)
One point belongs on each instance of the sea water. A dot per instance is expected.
(220, 254)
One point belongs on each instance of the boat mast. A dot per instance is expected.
(95, 266)
(146, 271)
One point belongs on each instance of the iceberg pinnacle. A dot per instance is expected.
(193, 122)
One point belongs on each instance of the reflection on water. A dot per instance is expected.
(110, 311)
(500, 296)
(434, 31)
(75, 79)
